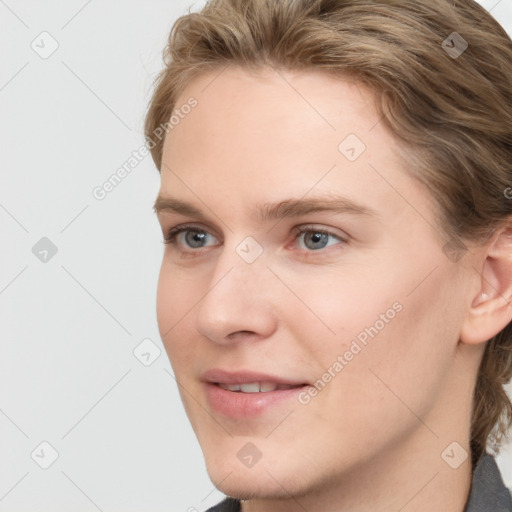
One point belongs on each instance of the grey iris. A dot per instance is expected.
(195, 238)
(317, 240)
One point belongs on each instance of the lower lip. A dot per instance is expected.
(237, 404)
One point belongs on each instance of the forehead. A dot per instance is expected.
(272, 120)
(263, 136)
(274, 111)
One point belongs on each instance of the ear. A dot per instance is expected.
(491, 307)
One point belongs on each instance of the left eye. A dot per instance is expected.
(314, 239)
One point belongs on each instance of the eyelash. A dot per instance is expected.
(170, 238)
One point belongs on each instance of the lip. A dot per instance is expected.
(235, 404)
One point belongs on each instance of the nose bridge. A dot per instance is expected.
(238, 299)
(241, 268)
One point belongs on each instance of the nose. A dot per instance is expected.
(239, 302)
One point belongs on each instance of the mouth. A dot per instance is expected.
(248, 394)
(256, 387)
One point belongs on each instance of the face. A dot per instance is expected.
(304, 296)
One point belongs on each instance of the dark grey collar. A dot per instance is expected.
(488, 492)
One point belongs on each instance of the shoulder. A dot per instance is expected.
(488, 489)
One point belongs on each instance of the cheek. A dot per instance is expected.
(332, 309)
(404, 362)
(392, 335)
(176, 296)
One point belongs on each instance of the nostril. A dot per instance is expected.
(236, 334)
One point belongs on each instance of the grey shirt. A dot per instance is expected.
(488, 492)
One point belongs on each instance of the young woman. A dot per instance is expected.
(335, 290)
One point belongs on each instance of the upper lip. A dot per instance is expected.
(219, 376)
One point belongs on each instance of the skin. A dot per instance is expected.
(372, 439)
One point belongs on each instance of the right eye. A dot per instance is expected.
(189, 237)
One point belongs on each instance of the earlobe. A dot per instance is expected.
(491, 307)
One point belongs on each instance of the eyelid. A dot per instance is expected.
(306, 228)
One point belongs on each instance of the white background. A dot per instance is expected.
(70, 325)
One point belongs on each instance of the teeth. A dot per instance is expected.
(268, 386)
(255, 387)
(230, 387)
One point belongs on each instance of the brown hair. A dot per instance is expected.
(449, 105)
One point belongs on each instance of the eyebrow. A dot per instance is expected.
(275, 211)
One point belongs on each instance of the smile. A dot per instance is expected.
(255, 387)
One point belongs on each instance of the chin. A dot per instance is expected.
(245, 484)
(269, 478)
